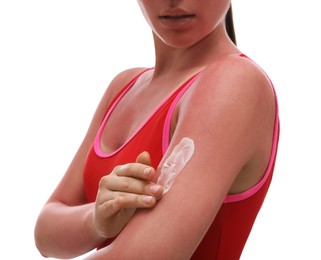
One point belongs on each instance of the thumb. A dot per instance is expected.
(144, 158)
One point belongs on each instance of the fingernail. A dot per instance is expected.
(154, 189)
(147, 171)
(147, 199)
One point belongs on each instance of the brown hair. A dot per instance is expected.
(229, 25)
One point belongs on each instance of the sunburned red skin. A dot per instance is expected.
(175, 163)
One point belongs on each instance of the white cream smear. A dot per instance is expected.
(175, 163)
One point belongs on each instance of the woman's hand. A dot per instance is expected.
(126, 188)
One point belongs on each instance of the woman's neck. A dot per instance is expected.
(176, 60)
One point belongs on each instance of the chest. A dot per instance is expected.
(138, 104)
(133, 112)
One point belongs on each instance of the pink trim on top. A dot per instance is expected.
(168, 119)
(250, 192)
(97, 147)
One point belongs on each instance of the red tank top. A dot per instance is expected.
(230, 229)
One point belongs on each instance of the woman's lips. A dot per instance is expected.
(176, 21)
(178, 16)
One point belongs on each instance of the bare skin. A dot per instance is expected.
(233, 105)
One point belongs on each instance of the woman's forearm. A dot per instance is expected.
(66, 232)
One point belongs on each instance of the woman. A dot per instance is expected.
(205, 115)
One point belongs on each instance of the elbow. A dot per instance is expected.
(42, 238)
(43, 245)
(40, 250)
(39, 241)
(39, 238)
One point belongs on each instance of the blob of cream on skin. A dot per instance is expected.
(175, 163)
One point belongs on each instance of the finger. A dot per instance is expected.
(136, 186)
(130, 200)
(126, 200)
(144, 158)
(135, 170)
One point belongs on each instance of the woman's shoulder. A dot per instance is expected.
(235, 76)
(237, 67)
(121, 80)
(233, 84)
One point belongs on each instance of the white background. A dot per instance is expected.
(56, 59)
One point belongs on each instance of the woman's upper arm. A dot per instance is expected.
(70, 189)
(220, 114)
